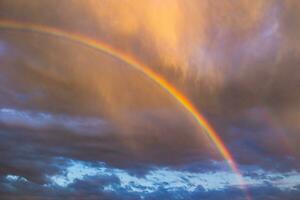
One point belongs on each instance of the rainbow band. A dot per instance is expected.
(98, 45)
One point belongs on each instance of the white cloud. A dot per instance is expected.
(172, 180)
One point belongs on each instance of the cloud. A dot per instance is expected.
(173, 180)
(48, 121)
(90, 179)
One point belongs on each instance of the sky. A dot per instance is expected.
(77, 122)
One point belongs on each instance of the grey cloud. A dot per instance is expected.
(42, 121)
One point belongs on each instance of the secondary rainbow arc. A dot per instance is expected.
(126, 58)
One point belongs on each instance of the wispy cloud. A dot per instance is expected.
(42, 120)
(172, 180)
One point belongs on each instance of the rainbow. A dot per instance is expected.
(147, 71)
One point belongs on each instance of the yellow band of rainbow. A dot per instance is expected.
(105, 48)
